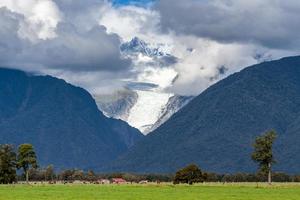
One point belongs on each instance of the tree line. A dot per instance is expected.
(49, 175)
(71, 175)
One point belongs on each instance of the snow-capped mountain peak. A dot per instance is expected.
(138, 46)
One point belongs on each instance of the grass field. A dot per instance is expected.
(213, 191)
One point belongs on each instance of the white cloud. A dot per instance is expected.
(95, 82)
(131, 21)
(41, 17)
(162, 77)
(202, 62)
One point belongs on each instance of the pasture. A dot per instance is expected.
(205, 191)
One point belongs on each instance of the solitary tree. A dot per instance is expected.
(26, 159)
(190, 174)
(263, 152)
(7, 164)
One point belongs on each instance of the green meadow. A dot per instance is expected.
(209, 191)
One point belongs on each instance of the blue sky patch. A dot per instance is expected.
(133, 2)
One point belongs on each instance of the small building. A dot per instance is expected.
(143, 182)
(104, 181)
(78, 182)
(118, 181)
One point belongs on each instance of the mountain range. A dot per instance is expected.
(216, 129)
(61, 121)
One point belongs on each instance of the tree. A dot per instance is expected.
(91, 176)
(49, 173)
(26, 159)
(190, 174)
(77, 175)
(66, 175)
(7, 164)
(263, 153)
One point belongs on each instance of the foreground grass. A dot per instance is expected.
(212, 191)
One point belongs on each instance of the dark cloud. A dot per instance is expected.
(10, 44)
(74, 5)
(72, 49)
(141, 86)
(166, 60)
(273, 24)
(221, 71)
(82, 14)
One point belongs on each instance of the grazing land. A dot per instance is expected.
(206, 191)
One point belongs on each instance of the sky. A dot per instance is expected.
(134, 2)
(79, 40)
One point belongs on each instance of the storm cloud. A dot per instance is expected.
(92, 50)
(272, 24)
(10, 44)
(70, 48)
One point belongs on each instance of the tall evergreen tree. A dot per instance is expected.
(263, 152)
(26, 159)
(7, 164)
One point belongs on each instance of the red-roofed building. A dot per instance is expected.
(118, 181)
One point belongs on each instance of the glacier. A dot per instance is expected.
(145, 113)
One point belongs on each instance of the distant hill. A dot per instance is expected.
(216, 129)
(61, 121)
